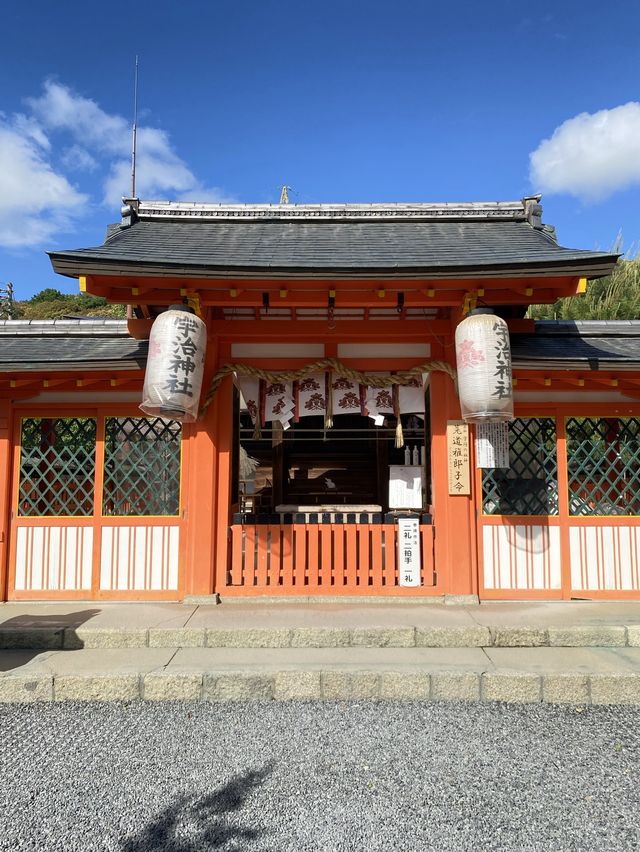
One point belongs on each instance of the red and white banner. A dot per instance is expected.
(311, 397)
(378, 402)
(345, 396)
(250, 390)
(278, 403)
(411, 396)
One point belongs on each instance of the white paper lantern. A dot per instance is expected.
(483, 355)
(175, 364)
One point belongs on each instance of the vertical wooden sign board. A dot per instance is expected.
(409, 551)
(458, 457)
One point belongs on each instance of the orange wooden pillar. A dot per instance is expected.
(224, 453)
(199, 491)
(454, 515)
(6, 452)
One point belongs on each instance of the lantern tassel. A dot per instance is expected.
(399, 436)
(257, 426)
(396, 411)
(328, 417)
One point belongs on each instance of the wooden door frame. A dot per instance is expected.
(560, 412)
(97, 521)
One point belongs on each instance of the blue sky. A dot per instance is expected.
(343, 101)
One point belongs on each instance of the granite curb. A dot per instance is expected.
(496, 685)
(472, 636)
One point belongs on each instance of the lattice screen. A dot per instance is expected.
(530, 485)
(57, 466)
(604, 465)
(141, 466)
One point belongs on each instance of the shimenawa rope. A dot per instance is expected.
(402, 377)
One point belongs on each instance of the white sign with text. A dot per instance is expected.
(492, 445)
(406, 484)
(409, 562)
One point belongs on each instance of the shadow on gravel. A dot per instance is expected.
(31, 634)
(195, 824)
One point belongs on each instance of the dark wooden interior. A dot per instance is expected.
(348, 464)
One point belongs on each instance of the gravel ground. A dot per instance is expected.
(318, 776)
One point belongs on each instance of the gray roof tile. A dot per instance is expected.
(593, 344)
(47, 345)
(330, 246)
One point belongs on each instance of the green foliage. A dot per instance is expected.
(52, 304)
(46, 295)
(615, 297)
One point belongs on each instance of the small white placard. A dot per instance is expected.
(406, 483)
(492, 445)
(409, 551)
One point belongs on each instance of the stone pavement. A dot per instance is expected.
(575, 652)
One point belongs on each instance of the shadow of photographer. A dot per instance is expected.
(196, 824)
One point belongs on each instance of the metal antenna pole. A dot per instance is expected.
(135, 123)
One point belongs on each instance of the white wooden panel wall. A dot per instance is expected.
(53, 558)
(384, 350)
(521, 556)
(139, 558)
(605, 558)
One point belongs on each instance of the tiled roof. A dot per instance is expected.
(46, 345)
(445, 239)
(591, 344)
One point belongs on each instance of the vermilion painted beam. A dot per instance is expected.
(159, 281)
(319, 298)
(160, 290)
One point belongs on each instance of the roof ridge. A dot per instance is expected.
(90, 327)
(484, 210)
(587, 328)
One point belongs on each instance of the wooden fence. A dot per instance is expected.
(321, 559)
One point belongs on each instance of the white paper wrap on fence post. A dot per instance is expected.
(175, 364)
(483, 356)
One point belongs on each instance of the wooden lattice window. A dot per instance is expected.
(604, 465)
(57, 466)
(529, 486)
(141, 466)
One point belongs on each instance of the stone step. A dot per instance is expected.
(500, 635)
(577, 676)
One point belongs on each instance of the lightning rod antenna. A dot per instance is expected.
(134, 132)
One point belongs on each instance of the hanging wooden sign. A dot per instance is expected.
(458, 457)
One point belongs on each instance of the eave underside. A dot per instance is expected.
(159, 292)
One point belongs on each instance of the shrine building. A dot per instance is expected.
(340, 400)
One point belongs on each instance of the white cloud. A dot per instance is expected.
(28, 127)
(160, 172)
(591, 155)
(78, 159)
(36, 201)
(63, 132)
(61, 109)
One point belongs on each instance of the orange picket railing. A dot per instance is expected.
(321, 559)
